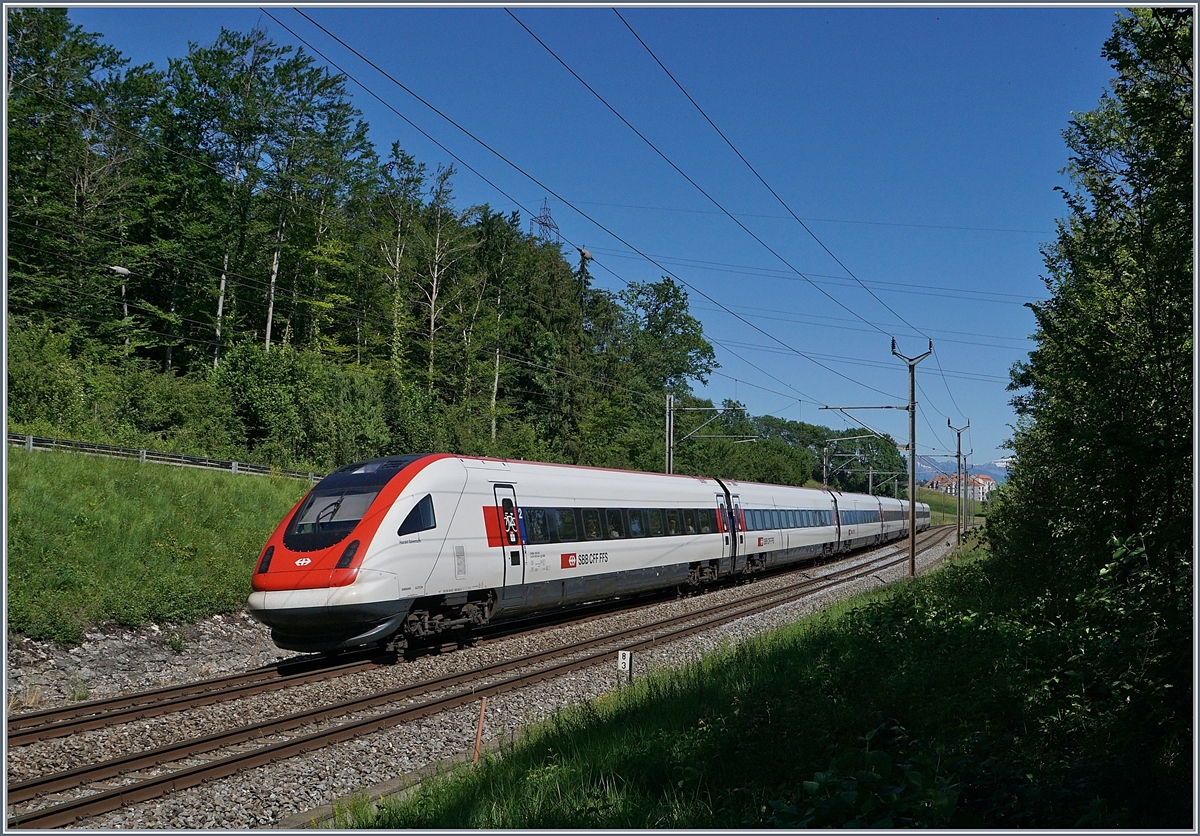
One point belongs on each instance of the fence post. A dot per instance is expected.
(29, 443)
(142, 456)
(235, 468)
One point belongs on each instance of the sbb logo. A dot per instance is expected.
(760, 541)
(568, 561)
(304, 561)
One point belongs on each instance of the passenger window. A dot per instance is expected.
(419, 518)
(591, 524)
(567, 531)
(637, 524)
(536, 527)
(673, 526)
(689, 521)
(706, 518)
(656, 522)
(615, 529)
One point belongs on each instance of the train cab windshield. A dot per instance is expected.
(339, 501)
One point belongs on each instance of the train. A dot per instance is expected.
(404, 550)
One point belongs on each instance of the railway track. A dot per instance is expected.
(391, 706)
(63, 721)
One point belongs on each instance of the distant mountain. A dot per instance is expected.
(929, 467)
(996, 470)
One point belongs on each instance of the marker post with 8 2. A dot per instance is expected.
(625, 664)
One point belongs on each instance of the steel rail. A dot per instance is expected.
(67, 720)
(64, 721)
(106, 801)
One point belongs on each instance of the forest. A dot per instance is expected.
(216, 259)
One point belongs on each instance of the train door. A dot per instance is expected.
(739, 522)
(512, 530)
(728, 528)
(837, 524)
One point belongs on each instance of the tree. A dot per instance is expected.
(1104, 444)
(74, 118)
(1097, 511)
(666, 342)
(442, 240)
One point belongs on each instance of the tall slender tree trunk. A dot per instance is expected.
(125, 317)
(171, 344)
(322, 227)
(221, 307)
(435, 274)
(275, 274)
(495, 389)
(394, 258)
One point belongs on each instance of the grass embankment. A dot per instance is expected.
(934, 703)
(943, 507)
(93, 540)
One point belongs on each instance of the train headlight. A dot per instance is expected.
(347, 555)
(265, 563)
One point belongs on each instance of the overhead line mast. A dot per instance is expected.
(912, 452)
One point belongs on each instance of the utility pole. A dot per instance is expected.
(958, 475)
(670, 434)
(966, 495)
(912, 452)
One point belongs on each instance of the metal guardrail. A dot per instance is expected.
(33, 442)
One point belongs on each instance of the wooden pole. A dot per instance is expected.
(479, 729)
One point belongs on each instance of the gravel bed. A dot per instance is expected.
(40, 675)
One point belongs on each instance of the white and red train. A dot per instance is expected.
(412, 546)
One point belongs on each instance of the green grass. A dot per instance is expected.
(92, 540)
(943, 507)
(929, 703)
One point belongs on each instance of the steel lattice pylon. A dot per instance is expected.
(547, 229)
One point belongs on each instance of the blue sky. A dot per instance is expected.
(921, 146)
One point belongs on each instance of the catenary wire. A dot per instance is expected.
(533, 179)
(754, 171)
(818, 220)
(891, 287)
(778, 198)
(809, 320)
(685, 176)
